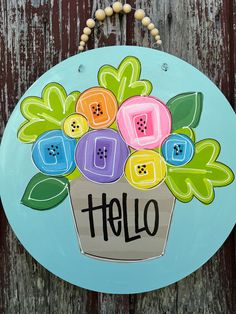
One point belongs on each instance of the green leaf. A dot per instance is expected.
(46, 113)
(124, 81)
(186, 110)
(44, 192)
(73, 175)
(199, 177)
(188, 132)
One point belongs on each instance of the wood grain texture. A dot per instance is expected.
(37, 34)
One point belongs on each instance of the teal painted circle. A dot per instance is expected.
(197, 230)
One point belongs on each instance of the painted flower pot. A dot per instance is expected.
(117, 222)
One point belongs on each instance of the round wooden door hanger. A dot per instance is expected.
(119, 177)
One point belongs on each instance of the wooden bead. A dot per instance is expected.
(159, 42)
(139, 14)
(146, 21)
(87, 31)
(151, 26)
(157, 37)
(154, 32)
(90, 23)
(84, 38)
(117, 7)
(127, 8)
(81, 48)
(100, 15)
(82, 43)
(108, 11)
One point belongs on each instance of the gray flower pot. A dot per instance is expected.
(118, 222)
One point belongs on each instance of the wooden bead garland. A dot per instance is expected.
(100, 15)
(87, 31)
(127, 8)
(108, 11)
(151, 26)
(139, 14)
(118, 7)
(154, 32)
(146, 21)
(84, 37)
(90, 23)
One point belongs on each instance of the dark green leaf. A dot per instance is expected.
(45, 192)
(186, 110)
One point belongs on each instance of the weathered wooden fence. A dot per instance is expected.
(37, 34)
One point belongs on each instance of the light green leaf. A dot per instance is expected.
(188, 132)
(186, 110)
(199, 177)
(46, 113)
(124, 81)
(73, 175)
(44, 192)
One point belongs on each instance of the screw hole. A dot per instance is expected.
(165, 67)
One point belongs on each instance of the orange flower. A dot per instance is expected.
(99, 105)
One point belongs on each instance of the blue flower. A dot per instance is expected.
(177, 149)
(53, 153)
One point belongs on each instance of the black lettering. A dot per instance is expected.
(112, 218)
(136, 217)
(156, 223)
(90, 209)
(104, 216)
(125, 218)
